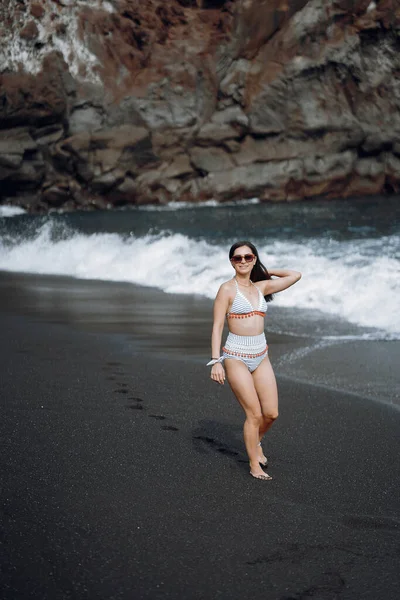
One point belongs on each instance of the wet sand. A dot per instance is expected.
(125, 475)
(146, 319)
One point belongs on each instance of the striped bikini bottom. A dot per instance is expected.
(250, 349)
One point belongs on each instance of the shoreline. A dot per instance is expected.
(148, 320)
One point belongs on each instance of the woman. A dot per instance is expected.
(243, 300)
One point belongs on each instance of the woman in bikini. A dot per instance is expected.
(243, 301)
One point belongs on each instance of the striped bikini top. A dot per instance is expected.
(241, 305)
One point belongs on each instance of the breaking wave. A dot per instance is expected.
(357, 280)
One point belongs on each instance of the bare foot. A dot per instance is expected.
(264, 476)
(257, 472)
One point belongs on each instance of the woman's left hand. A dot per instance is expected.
(218, 373)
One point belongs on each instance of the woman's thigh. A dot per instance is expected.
(242, 385)
(265, 386)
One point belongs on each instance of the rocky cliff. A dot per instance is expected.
(139, 101)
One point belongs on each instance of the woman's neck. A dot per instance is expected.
(244, 281)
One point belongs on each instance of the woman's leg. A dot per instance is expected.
(242, 385)
(267, 392)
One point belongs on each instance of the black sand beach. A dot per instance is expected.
(124, 471)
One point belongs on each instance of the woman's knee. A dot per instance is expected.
(255, 419)
(271, 416)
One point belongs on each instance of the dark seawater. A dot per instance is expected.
(340, 220)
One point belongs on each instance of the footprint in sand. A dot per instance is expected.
(136, 406)
(204, 438)
(370, 522)
(139, 406)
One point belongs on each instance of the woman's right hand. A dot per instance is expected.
(218, 373)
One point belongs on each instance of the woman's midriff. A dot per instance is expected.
(250, 326)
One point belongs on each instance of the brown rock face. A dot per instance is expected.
(30, 31)
(152, 101)
(258, 20)
(37, 10)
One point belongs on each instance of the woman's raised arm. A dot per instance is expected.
(285, 278)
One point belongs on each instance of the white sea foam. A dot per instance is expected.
(206, 204)
(11, 211)
(357, 280)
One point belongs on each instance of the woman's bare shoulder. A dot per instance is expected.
(226, 288)
(228, 285)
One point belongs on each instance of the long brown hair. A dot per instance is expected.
(259, 272)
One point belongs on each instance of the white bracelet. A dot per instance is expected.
(214, 361)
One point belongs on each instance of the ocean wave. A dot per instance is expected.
(356, 280)
(11, 211)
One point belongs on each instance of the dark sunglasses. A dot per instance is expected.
(238, 258)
